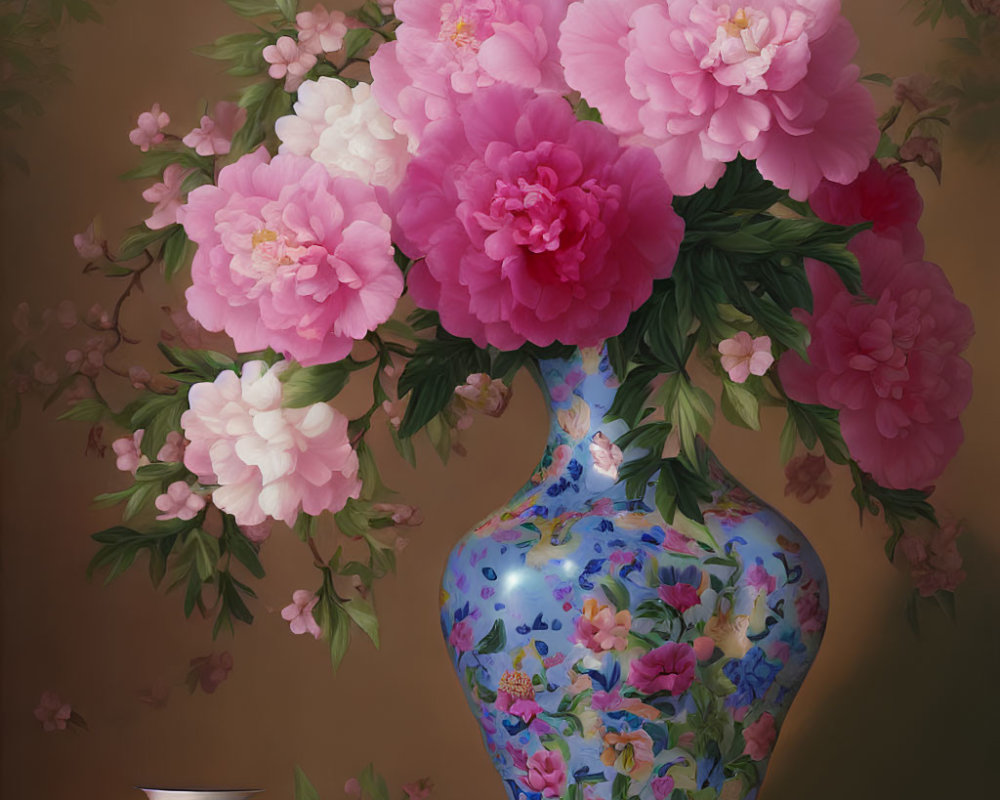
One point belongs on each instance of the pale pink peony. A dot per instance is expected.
(215, 134)
(759, 736)
(681, 596)
(481, 393)
(288, 60)
(934, 560)
(885, 196)
(128, 454)
(167, 196)
(268, 461)
(606, 454)
(173, 448)
(299, 613)
(808, 478)
(534, 226)
(344, 130)
(891, 367)
(321, 31)
(209, 672)
(668, 668)
(702, 81)
(150, 128)
(87, 244)
(546, 773)
(445, 52)
(179, 502)
(290, 258)
(600, 629)
(743, 356)
(52, 712)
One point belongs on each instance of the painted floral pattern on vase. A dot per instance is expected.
(608, 655)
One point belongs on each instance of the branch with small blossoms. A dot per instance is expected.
(368, 785)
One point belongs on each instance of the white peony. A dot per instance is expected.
(345, 130)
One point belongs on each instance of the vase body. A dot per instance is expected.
(608, 655)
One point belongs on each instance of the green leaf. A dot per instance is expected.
(617, 592)
(439, 434)
(304, 790)
(363, 615)
(585, 111)
(305, 386)
(666, 495)
(336, 626)
(740, 405)
(355, 41)
(877, 77)
(788, 439)
(89, 409)
(494, 641)
(158, 415)
(288, 8)
(553, 741)
(305, 526)
(403, 446)
(373, 784)
(139, 238)
(252, 8)
(178, 251)
(235, 541)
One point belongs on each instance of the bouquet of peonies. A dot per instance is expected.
(676, 180)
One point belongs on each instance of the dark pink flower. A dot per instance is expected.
(759, 578)
(662, 787)
(934, 560)
(546, 773)
(925, 151)
(892, 367)
(532, 225)
(809, 609)
(418, 790)
(461, 637)
(681, 596)
(808, 478)
(669, 668)
(759, 736)
(885, 196)
(52, 712)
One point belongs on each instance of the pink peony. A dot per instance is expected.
(290, 258)
(268, 461)
(607, 456)
(701, 82)
(681, 596)
(891, 367)
(299, 614)
(321, 31)
(934, 560)
(167, 196)
(179, 502)
(668, 668)
(445, 52)
(808, 478)
(480, 393)
(215, 134)
(546, 773)
(461, 637)
(600, 629)
(52, 712)
(885, 196)
(759, 736)
(288, 60)
(743, 356)
(534, 226)
(209, 672)
(128, 454)
(150, 128)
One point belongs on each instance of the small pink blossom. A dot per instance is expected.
(98, 317)
(759, 578)
(179, 502)
(759, 736)
(480, 393)
(743, 356)
(418, 790)
(209, 672)
(52, 712)
(677, 542)
(934, 560)
(173, 448)
(90, 360)
(923, 150)
(66, 314)
(128, 453)
(156, 695)
(600, 629)
(809, 609)
(167, 196)
(321, 31)
(808, 478)
(662, 787)
(259, 533)
(352, 787)
(546, 773)
(299, 614)
(915, 90)
(150, 128)
(668, 668)
(401, 514)
(461, 637)
(139, 377)
(289, 61)
(681, 596)
(189, 330)
(87, 245)
(44, 374)
(703, 647)
(606, 454)
(215, 134)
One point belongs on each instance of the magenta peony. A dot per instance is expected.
(290, 258)
(885, 196)
(892, 367)
(444, 52)
(702, 81)
(268, 461)
(669, 668)
(533, 225)
(546, 773)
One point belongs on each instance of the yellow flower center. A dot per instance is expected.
(739, 23)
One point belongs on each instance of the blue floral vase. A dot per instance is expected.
(610, 656)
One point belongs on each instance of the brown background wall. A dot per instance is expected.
(883, 714)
